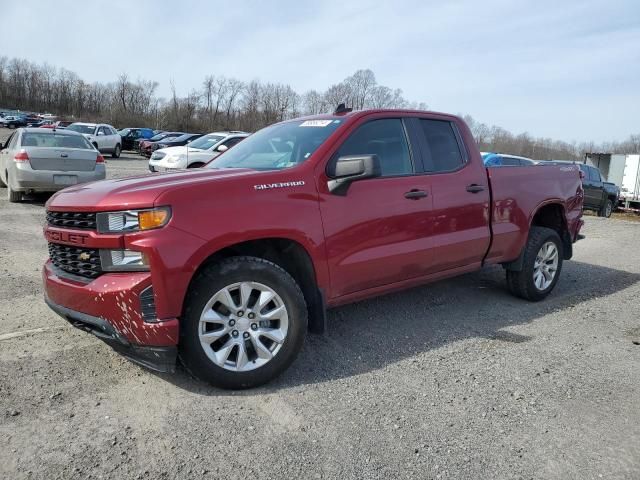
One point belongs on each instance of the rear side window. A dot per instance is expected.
(384, 138)
(510, 161)
(232, 141)
(443, 152)
(32, 139)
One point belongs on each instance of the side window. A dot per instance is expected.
(384, 138)
(595, 175)
(443, 152)
(12, 140)
(511, 162)
(232, 141)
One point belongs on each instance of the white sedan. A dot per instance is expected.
(195, 154)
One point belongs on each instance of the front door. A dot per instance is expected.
(378, 232)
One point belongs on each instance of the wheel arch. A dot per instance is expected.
(550, 214)
(288, 254)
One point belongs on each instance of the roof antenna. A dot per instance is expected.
(342, 109)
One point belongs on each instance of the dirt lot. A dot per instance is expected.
(453, 380)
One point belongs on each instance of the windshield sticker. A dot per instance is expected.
(315, 123)
(269, 186)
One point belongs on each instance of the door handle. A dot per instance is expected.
(415, 194)
(474, 188)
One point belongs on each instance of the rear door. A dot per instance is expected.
(592, 185)
(378, 233)
(460, 196)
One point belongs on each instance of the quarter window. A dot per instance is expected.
(442, 150)
(384, 138)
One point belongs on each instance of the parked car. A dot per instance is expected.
(41, 124)
(599, 196)
(505, 160)
(232, 263)
(12, 121)
(145, 145)
(183, 139)
(196, 153)
(103, 137)
(130, 135)
(41, 160)
(59, 125)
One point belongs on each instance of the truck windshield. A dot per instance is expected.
(279, 146)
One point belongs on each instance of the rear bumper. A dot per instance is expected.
(160, 359)
(24, 178)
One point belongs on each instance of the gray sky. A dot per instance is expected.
(567, 69)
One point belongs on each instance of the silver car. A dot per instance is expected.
(44, 160)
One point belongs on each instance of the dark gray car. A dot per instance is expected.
(44, 160)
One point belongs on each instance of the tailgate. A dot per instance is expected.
(62, 159)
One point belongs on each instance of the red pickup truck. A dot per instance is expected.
(227, 267)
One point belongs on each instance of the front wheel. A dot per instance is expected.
(116, 152)
(541, 266)
(244, 323)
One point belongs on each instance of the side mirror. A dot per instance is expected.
(222, 148)
(351, 168)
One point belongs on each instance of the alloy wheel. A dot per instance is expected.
(545, 266)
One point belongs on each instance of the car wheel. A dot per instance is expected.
(117, 151)
(244, 323)
(95, 145)
(12, 195)
(541, 266)
(607, 209)
(196, 165)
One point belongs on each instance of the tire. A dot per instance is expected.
(12, 195)
(248, 369)
(523, 284)
(2, 184)
(607, 209)
(117, 151)
(196, 165)
(95, 145)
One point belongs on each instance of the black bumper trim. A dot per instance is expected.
(160, 359)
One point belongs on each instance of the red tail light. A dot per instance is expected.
(99, 159)
(21, 157)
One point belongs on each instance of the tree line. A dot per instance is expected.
(222, 103)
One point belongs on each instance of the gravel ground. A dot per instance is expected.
(453, 380)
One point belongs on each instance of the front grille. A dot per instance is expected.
(80, 220)
(77, 261)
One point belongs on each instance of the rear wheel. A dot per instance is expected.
(117, 151)
(607, 209)
(244, 323)
(12, 195)
(541, 266)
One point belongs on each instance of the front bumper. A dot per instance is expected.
(160, 359)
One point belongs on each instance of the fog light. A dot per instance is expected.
(123, 261)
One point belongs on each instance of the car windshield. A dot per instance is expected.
(181, 138)
(206, 142)
(279, 146)
(54, 140)
(124, 132)
(82, 128)
(158, 137)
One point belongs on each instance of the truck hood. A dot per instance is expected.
(134, 192)
(180, 150)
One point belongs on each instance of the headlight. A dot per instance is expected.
(123, 261)
(132, 220)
